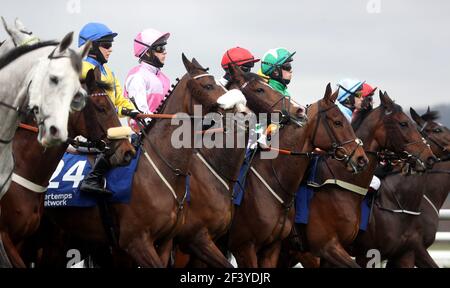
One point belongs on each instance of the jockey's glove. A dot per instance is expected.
(130, 113)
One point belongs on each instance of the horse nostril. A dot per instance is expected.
(362, 161)
(53, 131)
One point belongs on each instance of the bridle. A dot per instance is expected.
(434, 141)
(336, 146)
(286, 117)
(99, 145)
(405, 155)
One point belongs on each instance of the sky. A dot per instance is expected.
(400, 46)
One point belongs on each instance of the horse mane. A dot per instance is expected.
(250, 76)
(430, 116)
(361, 115)
(366, 108)
(104, 85)
(162, 105)
(22, 50)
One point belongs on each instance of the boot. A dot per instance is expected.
(94, 183)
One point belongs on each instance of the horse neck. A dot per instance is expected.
(158, 140)
(366, 132)
(439, 191)
(289, 169)
(226, 161)
(35, 154)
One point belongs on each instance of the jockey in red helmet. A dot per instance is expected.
(236, 56)
(367, 91)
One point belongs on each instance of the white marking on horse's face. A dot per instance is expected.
(231, 99)
(53, 88)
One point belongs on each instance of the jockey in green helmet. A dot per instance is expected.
(276, 66)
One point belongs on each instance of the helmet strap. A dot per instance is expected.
(150, 58)
(279, 76)
(95, 51)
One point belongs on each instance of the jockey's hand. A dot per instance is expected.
(131, 113)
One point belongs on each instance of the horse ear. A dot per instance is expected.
(5, 25)
(98, 74)
(85, 49)
(236, 72)
(19, 25)
(415, 116)
(187, 64)
(329, 95)
(386, 101)
(65, 42)
(327, 91)
(428, 110)
(90, 79)
(195, 62)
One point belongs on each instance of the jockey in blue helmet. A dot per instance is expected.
(102, 37)
(349, 93)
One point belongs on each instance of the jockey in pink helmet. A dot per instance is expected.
(145, 84)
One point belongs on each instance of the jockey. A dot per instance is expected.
(146, 84)
(349, 96)
(102, 38)
(366, 92)
(236, 56)
(276, 67)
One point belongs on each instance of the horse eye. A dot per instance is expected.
(260, 90)
(209, 87)
(404, 124)
(437, 130)
(338, 123)
(54, 80)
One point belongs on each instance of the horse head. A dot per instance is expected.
(98, 122)
(436, 134)
(205, 90)
(330, 131)
(54, 89)
(396, 132)
(261, 98)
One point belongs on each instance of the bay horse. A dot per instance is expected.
(265, 216)
(22, 206)
(335, 213)
(147, 224)
(403, 238)
(40, 79)
(214, 174)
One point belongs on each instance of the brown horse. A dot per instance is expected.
(403, 238)
(214, 174)
(265, 216)
(334, 216)
(22, 208)
(146, 225)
